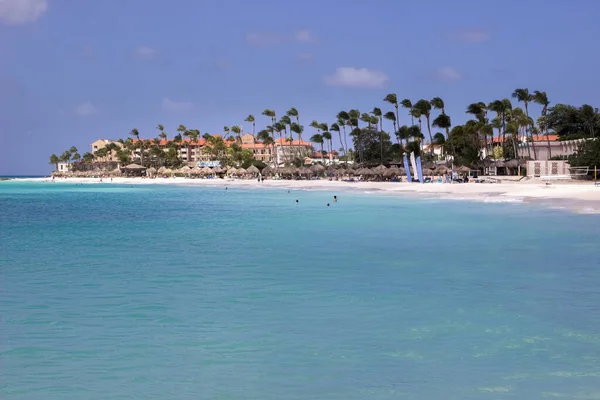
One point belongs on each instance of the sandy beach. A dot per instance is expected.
(574, 196)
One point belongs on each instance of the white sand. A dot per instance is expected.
(578, 197)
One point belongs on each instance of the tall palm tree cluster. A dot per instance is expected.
(67, 156)
(495, 129)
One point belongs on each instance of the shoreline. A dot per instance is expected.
(576, 197)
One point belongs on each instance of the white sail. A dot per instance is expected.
(414, 166)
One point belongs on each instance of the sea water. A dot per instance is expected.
(165, 292)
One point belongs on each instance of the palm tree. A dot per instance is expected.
(265, 137)
(292, 112)
(354, 123)
(393, 100)
(500, 108)
(424, 108)
(335, 127)
(343, 119)
(162, 133)
(377, 112)
(327, 136)
(541, 98)
(406, 103)
(287, 122)
(318, 138)
(271, 114)
(444, 122)
(523, 95)
(250, 118)
(392, 117)
(135, 133)
(479, 111)
(54, 160)
(238, 131)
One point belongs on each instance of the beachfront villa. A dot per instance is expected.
(63, 166)
(545, 148)
(545, 151)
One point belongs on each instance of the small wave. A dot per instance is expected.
(503, 199)
(588, 210)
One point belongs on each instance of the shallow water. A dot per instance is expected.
(204, 293)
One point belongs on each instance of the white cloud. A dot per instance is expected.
(448, 74)
(15, 12)
(304, 36)
(357, 77)
(170, 105)
(263, 39)
(474, 35)
(145, 52)
(86, 109)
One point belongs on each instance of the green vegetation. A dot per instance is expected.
(496, 127)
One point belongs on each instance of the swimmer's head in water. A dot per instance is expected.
(327, 204)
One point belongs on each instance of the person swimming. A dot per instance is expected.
(335, 199)
(327, 204)
(296, 201)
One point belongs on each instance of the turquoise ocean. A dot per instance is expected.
(174, 292)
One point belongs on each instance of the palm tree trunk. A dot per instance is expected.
(525, 134)
(345, 143)
(430, 137)
(381, 146)
(397, 116)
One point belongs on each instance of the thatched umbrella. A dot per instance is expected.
(364, 171)
(151, 171)
(427, 171)
(196, 171)
(392, 172)
(162, 170)
(253, 170)
(379, 170)
(268, 171)
(168, 171)
(134, 167)
(305, 171)
(206, 171)
(512, 163)
(441, 170)
(499, 164)
(317, 169)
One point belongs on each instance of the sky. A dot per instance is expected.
(73, 71)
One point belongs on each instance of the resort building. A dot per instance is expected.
(193, 151)
(544, 150)
(63, 167)
(288, 151)
(438, 151)
(102, 143)
(259, 150)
